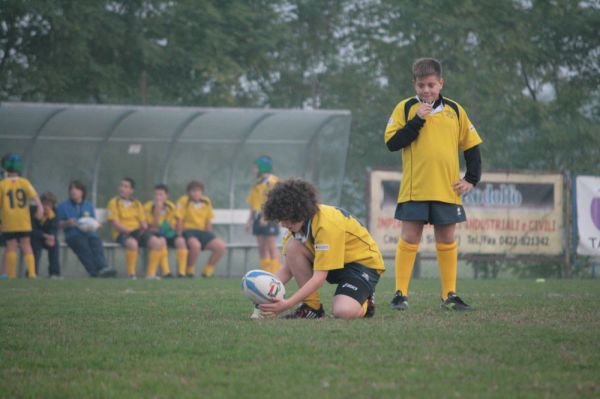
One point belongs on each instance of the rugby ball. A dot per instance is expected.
(87, 224)
(262, 287)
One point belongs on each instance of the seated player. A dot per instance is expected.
(87, 245)
(160, 216)
(194, 215)
(44, 235)
(16, 193)
(128, 220)
(324, 243)
(266, 232)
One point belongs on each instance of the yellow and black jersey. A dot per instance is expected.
(166, 214)
(336, 238)
(258, 194)
(194, 215)
(430, 163)
(130, 213)
(15, 195)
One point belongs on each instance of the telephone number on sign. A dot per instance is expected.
(527, 241)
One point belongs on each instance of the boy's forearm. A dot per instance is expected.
(473, 161)
(406, 135)
(311, 286)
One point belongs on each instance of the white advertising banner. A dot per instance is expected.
(588, 215)
(519, 214)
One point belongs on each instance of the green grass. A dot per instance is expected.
(193, 339)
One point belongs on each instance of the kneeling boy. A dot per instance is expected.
(324, 243)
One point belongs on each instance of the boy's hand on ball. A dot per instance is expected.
(273, 309)
(424, 110)
(462, 186)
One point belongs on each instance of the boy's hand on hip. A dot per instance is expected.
(424, 110)
(462, 186)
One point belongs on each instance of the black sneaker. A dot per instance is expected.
(306, 312)
(370, 307)
(453, 302)
(107, 272)
(190, 275)
(399, 302)
(180, 275)
(168, 275)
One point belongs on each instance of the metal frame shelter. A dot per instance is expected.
(100, 144)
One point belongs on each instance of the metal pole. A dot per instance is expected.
(101, 148)
(175, 139)
(35, 137)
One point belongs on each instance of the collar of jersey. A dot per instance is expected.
(438, 105)
(306, 228)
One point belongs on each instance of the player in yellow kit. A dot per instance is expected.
(15, 195)
(129, 228)
(324, 243)
(194, 215)
(160, 216)
(430, 130)
(266, 232)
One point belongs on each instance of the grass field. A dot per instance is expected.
(193, 339)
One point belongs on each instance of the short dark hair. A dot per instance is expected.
(193, 185)
(49, 198)
(130, 181)
(293, 200)
(163, 187)
(79, 186)
(426, 67)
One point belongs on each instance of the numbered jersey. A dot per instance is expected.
(15, 195)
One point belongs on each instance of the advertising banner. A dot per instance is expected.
(588, 215)
(517, 214)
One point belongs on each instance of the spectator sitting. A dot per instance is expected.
(44, 235)
(86, 245)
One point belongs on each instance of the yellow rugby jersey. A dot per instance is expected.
(430, 164)
(167, 213)
(336, 238)
(130, 213)
(15, 195)
(195, 215)
(258, 194)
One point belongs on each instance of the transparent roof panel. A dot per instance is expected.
(101, 144)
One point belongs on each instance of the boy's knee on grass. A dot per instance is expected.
(347, 308)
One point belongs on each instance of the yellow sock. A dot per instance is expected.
(364, 306)
(182, 255)
(153, 259)
(165, 268)
(313, 300)
(30, 264)
(208, 270)
(275, 265)
(11, 264)
(190, 270)
(447, 257)
(405, 261)
(131, 259)
(265, 264)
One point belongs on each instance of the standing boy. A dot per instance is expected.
(430, 130)
(15, 195)
(324, 243)
(265, 232)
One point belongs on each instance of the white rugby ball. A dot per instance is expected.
(88, 224)
(261, 287)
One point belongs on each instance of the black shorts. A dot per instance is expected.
(202, 235)
(141, 237)
(170, 240)
(354, 280)
(268, 229)
(432, 212)
(15, 235)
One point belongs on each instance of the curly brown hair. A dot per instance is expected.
(293, 200)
